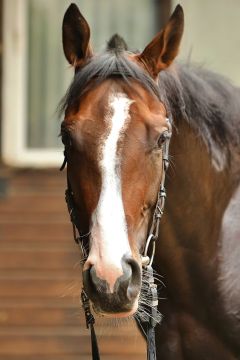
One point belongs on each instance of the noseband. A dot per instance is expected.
(147, 256)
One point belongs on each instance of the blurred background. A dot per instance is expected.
(40, 312)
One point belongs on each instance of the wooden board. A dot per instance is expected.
(40, 280)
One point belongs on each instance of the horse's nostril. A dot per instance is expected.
(132, 292)
(134, 278)
(118, 296)
(100, 285)
(135, 269)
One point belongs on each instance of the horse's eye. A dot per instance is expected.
(162, 138)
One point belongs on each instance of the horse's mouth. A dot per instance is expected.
(116, 313)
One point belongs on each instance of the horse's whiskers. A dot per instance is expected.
(156, 277)
(72, 289)
(145, 304)
(82, 261)
(144, 314)
(138, 319)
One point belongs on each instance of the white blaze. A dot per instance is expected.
(109, 229)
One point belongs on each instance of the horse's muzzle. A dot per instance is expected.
(125, 291)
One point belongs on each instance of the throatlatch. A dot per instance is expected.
(154, 318)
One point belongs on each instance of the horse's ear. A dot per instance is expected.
(75, 37)
(163, 49)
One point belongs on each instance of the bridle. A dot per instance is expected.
(147, 259)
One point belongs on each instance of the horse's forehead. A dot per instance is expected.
(95, 101)
(133, 104)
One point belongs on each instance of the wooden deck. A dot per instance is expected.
(40, 279)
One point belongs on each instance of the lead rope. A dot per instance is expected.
(147, 261)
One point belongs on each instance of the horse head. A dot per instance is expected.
(114, 130)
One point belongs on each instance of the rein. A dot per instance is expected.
(147, 260)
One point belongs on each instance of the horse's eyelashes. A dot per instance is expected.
(162, 138)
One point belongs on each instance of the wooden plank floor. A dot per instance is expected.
(40, 279)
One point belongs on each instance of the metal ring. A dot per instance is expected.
(150, 237)
(153, 253)
(147, 244)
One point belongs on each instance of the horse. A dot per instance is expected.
(120, 111)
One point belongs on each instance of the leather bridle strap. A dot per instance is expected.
(90, 321)
(159, 206)
(154, 318)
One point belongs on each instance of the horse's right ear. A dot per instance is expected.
(75, 37)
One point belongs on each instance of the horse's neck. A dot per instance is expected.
(197, 195)
(197, 192)
(189, 249)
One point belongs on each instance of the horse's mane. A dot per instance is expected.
(207, 101)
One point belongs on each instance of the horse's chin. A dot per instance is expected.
(118, 315)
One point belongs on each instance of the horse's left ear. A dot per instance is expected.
(163, 49)
(75, 37)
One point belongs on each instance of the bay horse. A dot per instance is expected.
(120, 110)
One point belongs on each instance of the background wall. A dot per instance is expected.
(212, 35)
